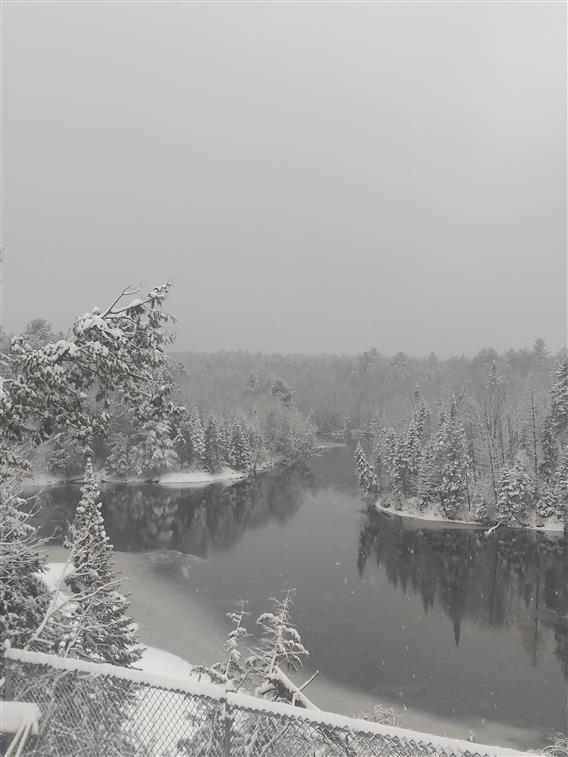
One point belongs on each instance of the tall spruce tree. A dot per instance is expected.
(516, 494)
(96, 627)
(240, 452)
(24, 596)
(197, 439)
(368, 482)
(213, 451)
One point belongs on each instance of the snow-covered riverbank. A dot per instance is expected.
(433, 518)
(178, 479)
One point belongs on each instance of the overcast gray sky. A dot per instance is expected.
(314, 177)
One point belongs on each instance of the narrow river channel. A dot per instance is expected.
(457, 631)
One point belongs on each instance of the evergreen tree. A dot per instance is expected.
(516, 493)
(213, 453)
(66, 457)
(280, 647)
(282, 391)
(153, 453)
(96, 627)
(560, 484)
(559, 398)
(182, 439)
(197, 438)
(119, 461)
(549, 449)
(253, 383)
(368, 482)
(24, 596)
(451, 463)
(401, 470)
(231, 672)
(240, 453)
(428, 477)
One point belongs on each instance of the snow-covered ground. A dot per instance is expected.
(437, 518)
(159, 662)
(177, 479)
(154, 660)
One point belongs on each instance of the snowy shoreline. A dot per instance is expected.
(177, 479)
(438, 520)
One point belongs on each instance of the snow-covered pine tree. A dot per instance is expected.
(197, 438)
(407, 461)
(378, 464)
(66, 457)
(280, 647)
(213, 453)
(549, 449)
(24, 596)
(96, 627)
(231, 671)
(253, 383)
(119, 461)
(368, 482)
(182, 439)
(560, 487)
(428, 477)
(388, 450)
(516, 494)
(240, 453)
(559, 399)
(113, 354)
(452, 463)
(153, 453)
(256, 444)
(400, 471)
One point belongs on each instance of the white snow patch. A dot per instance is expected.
(431, 516)
(428, 515)
(14, 715)
(190, 478)
(159, 662)
(54, 571)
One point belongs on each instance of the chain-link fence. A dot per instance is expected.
(91, 710)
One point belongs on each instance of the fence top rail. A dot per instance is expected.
(254, 704)
(187, 686)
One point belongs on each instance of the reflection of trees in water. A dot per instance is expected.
(191, 520)
(508, 579)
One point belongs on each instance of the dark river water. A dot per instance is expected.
(446, 621)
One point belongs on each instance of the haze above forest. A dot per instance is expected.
(314, 177)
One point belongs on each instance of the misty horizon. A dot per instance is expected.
(315, 178)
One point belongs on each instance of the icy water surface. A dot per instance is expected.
(448, 622)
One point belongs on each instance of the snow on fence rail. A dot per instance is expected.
(91, 710)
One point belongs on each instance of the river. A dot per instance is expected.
(456, 631)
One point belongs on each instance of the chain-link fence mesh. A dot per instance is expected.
(99, 711)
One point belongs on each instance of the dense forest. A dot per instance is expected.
(499, 455)
(195, 434)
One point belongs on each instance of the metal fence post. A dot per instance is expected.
(226, 729)
(8, 683)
